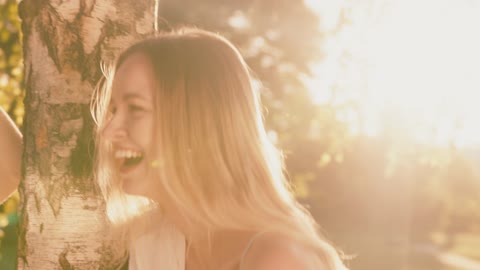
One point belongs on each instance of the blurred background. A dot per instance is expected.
(375, 104)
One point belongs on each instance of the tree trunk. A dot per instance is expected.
(61, 215)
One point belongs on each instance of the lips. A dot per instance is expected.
(127, 159)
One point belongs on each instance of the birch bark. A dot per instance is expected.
(61, 215)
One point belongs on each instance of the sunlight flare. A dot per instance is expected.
(413, 62)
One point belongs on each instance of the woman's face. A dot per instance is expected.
(131, 124)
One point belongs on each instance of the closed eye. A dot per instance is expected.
(135, 108)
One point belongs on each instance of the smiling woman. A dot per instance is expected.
(181, 144)
(131, 122)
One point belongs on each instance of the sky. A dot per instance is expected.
(413, 63)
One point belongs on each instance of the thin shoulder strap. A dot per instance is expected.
(249, 245)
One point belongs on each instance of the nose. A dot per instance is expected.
(115, 130)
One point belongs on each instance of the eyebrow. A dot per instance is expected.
(133, 96)
(130, 96)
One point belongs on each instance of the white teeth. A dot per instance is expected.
(127, 154)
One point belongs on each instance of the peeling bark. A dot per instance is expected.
(61, 216)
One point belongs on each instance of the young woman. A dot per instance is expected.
(189, 175)
(179, 123)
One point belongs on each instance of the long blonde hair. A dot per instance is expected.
(213, 158)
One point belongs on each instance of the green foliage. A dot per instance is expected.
(280, 40)
(11, 61)
(11, 99)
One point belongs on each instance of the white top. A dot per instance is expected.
(161, 249)
(164, 249)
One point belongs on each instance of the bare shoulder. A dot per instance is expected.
(274, 252)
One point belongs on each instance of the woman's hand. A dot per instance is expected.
(10, 156)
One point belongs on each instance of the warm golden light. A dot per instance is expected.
(411, 64)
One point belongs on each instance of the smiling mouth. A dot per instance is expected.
(128, 162)
(128, 159)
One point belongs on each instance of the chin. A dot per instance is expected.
(133, 187)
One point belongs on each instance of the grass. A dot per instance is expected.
(396, 251)
(464, 244)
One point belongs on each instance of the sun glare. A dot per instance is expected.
(413, 63)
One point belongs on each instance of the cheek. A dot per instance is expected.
(141, 131)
